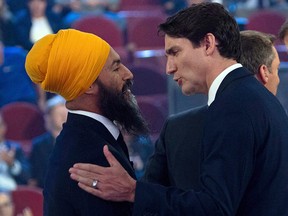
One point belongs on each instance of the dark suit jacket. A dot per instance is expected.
(81, 140)
(176, 159)
(42, 147)
(244, 158)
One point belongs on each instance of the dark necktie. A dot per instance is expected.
(124, 148)
(122, 144)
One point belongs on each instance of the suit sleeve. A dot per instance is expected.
(226, 169)
(156, 168)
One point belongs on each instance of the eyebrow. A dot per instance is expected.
(168, 51)
(171, 50)
(116, 62)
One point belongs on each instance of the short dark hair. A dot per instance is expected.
(197, 20)
(283, 31)
(256, 50)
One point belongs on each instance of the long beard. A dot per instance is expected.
(122, 107)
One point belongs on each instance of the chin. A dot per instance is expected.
(187, 92)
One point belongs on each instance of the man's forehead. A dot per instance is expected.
(172, 43)
(113, 58)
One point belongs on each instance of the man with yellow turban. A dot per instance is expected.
(88, 73)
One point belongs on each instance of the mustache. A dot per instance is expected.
(127, 85)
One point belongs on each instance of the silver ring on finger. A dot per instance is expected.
(94, 183)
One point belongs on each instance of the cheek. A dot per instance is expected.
(278, 81)
(275, 82)
(117, 87)
(117, 84)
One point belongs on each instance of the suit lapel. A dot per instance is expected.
(119, 150)
(117, 147)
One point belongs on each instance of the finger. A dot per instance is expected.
(83, 180)
(89, 167)
(95, 191)
(83, 173)
(100, 193)
(110, 158)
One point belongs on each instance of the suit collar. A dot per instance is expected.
(218, 80)
(236, 74)
(105, 121)
(88, 123)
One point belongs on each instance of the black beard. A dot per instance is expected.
(122, 107)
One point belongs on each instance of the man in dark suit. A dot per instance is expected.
(177, 154)
(88, 73)
(244, 153)
(176, 162)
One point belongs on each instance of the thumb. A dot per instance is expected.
(110, 157)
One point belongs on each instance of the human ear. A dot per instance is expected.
(93, 89)
(210, 43)
(263, 74)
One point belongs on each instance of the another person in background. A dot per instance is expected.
(14, 167)
(173, 6)
(6, 204)
(35, 22)
(245, 129)
(6, 25)
(82, 8)
(96, 87)
(42, 146)
(260, 57)
(283, 34)
(15, 85)
(16, 6)
(7, 207)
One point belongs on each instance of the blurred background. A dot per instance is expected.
(30, 119)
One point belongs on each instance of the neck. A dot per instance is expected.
(85, 103)
(218, 69)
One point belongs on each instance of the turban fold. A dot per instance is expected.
(67, 63)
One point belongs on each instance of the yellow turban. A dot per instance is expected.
(68, 62)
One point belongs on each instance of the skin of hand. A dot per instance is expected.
(114, 183)
(26, 212)
(8, 156)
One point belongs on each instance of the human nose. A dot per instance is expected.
(127, 73)
(170, 67)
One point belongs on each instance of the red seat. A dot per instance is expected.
(139, 4)
(148, 80)
(268, 21)
(103, 27)
(142, 32)
(25, 196)
(154, 114)
(24, 121)
(106, 29)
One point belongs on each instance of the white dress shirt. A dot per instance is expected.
(111, 127)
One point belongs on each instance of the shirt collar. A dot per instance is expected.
(216, 83)
(111, 127)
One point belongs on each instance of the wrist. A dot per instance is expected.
(132, 192)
